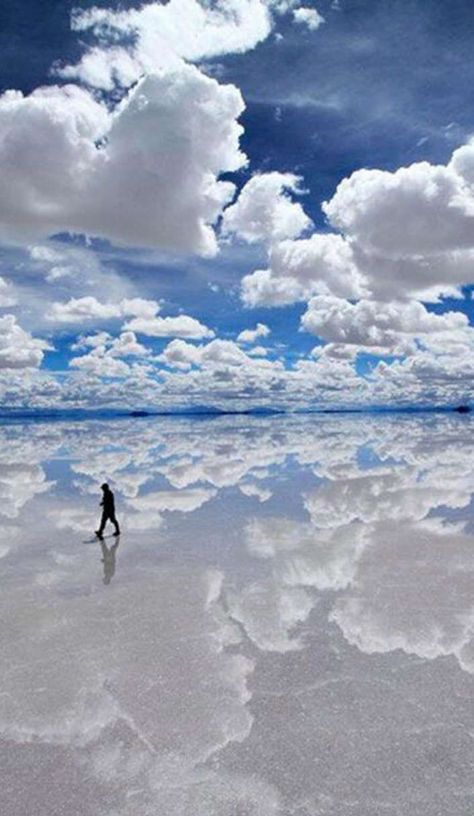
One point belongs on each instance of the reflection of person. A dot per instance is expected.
(108, 560)
(108, 512)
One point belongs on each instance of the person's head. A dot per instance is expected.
(105, 487)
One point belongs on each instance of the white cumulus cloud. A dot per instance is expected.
(76, 310)
(321, 264)
(18, 349)
(265, 211)
(181, 326)
(101, 364)
(308, 17)
(144, 174)
(158, 36)
(382, 326)
(250, 335)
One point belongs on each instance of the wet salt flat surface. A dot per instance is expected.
(285, 625)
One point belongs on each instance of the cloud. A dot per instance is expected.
(127, 345)
(56, 262)
(101, 364)
(410, 230)
(379, 326)
(160, 37)
(257, 351)
(308, 17)
(216, 353)
(96, 695)
(73, 269)
(405, 237)
(47, 149)
(59, 712)
(7, 297)
(302, 555)
(321, 264)
(18, 349)
(102, 359)
(251, 489)
(149, 507)
(264, 210)
(61, 270)
(91, 341)
(139, 307)
(20, 482)
(181, 326)
(144, 174)
(250, 335)
(269, 614)
(420, 209)
(179, 354)
(225, 376)
(76, 310)
(412, 594)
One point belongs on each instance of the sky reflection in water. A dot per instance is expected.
(285, 627)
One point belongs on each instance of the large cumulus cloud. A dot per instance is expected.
(377, 326)
(321, 264)
(145, 174)
(265, 211)
(402, 233)
(18, 349)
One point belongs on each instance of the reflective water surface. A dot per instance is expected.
(285, 625)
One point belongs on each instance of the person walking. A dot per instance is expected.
(108, 511)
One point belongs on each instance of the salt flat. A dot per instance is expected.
(285, 625)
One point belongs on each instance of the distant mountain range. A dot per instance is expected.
(14, 414)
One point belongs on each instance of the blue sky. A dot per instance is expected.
(129, 263)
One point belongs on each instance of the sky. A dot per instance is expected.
(239, 204)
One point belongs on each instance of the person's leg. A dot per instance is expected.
(114, 521)
(103, 522)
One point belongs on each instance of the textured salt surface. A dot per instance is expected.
(285, 625)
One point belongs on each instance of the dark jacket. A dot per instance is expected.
(108, 502)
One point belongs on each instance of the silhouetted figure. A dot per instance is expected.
(108, 560)
(108, 512)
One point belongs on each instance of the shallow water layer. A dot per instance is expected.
(285, 625)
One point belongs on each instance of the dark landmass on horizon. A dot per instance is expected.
(206, 412)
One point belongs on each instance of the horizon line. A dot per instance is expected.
(11, 413)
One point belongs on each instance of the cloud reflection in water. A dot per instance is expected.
(289, 628)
